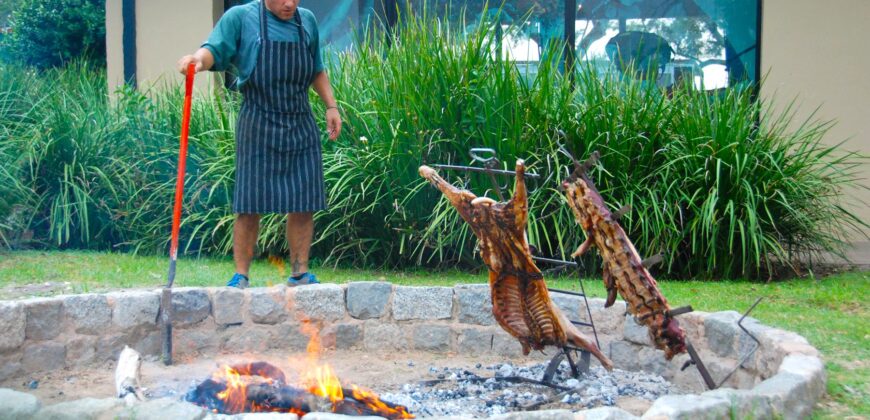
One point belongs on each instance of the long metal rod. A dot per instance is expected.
(483, 170)
(749, 353)
(552, 261)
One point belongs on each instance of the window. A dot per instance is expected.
(713, 42)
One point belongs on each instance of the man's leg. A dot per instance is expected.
(300, 231)
(244, 239)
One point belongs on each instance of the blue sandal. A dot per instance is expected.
(239, 280)
(305, 278)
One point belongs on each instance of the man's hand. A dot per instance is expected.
(333, 123)
(186, 60)
(202, 59)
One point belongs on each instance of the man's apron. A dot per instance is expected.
(278, 151)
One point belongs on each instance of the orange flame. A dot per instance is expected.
(321, 381)
(278, 263)
(235, 396)
(372, 401)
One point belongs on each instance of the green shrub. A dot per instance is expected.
(719, 190)
(50, 33)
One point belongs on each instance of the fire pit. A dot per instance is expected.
(425, 348)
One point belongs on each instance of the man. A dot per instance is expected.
(274, 46)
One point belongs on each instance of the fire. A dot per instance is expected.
(242, 388)
(278, 263)
(321, 381)
(235, 396)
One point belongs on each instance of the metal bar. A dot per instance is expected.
(588, 310)
(749, 353)
(574, 371)
(495, 186)
(553, 367)
(483, 170)
(567, 292)
(552, 261)
(696, 360)
(681, 310)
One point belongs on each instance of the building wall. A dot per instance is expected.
(165, 31)
(114, 44)
(818, 53)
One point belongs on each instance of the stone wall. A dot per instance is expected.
(784, 377)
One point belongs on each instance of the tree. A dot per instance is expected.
(50, 33)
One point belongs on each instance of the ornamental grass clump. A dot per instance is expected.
(719, 183)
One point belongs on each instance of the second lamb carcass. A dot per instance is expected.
(623, 269)
(520, 301)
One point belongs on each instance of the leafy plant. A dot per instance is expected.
(50, 33)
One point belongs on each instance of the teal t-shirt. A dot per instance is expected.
(234, 42)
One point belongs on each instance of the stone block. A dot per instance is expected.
(43, 318)
(505, 345)
(267, 305)
(744, 404)
(83, 409)
(652, 360)
(12, 326)
(536, 415)
(423, 303)
(604, 413)
(368, 299)
(227, 306)
(90, 314)
(475, 341)
(721, 331)
(266, 416)
(318, 302)
(189, 306)
(288, 336)
(797, 387)
(10, 366)
(163, 408)
(135, 309)
(571, 306)
(383, 337)
(80, 350)
(689, 407)
(625, 355)
(189, 342)
(635, 332)
(432, 338)
(692, 324)
(608, 321)
(475, 304)
(18, 405)
(333, 416)
(348, 336)
(240, 339)
(42, 357)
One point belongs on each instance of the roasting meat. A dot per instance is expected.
(520, 301)
(623, 269)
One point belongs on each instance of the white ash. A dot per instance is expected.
(482, 392)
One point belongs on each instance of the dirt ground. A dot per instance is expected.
(380, 373)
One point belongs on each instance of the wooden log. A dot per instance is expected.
(127, 385)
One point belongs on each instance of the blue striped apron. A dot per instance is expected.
(278, 152)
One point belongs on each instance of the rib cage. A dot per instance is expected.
(623, 270)
(520, 301)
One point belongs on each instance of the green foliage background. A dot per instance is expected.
(50, 33)
(719, 194)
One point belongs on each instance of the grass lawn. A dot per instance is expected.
(832, 312)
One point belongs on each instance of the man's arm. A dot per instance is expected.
(324, 90)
